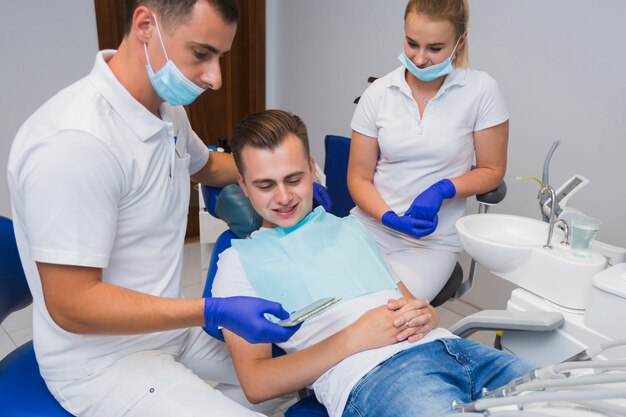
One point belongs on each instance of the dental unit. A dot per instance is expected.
(587, 292)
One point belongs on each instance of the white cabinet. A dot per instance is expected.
(210, 229)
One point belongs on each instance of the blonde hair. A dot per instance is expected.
(454, 11)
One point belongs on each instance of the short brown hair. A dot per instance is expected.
(267, 130)
(174, 12)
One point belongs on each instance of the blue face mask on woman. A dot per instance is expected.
(169, 83)
(432, 72)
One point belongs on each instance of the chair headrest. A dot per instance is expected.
(235, 209)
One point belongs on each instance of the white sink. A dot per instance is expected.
(512, 248)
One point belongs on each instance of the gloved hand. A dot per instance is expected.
(245, 317)
(409, 225)
(427, 204)
(321, 197)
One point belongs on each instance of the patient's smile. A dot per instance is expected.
(286, 211)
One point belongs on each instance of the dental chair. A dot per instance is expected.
(23, 393)
(242, 220)
(231, 205)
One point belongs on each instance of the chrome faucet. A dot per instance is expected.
(562, 224)
(550, 190)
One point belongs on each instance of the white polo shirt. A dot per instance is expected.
(416, 152)
(97, 180)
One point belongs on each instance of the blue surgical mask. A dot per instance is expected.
(169, 83)
(432, 72)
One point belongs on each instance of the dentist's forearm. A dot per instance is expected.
(79, 302)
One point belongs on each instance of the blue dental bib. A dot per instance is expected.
(321, 256)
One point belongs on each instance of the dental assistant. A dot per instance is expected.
(99, 181)
(415, 134)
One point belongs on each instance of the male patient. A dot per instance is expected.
(372, 354)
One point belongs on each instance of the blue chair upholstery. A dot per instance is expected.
(336, 169)
(222, 243)
(14, 294)
(307, 407)
(23, 393)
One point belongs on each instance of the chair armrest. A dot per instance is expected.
(494, 196)
(534, 321)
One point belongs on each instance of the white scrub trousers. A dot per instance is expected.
(157, 384)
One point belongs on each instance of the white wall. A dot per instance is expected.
(45, 45)
(560, 64)
(320, 54)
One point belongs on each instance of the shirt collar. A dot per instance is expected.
(138, 118)
(456, 77)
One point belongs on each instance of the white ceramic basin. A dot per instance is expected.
(512, 248)
(502, 242)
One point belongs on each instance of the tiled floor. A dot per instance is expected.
(17, 328)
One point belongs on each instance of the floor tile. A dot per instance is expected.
(447, 317)
(21, 336)
(487, 338)
(19, 320)
(6, 343)
(460, 307)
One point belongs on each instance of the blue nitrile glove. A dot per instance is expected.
(427, 204)
(245, 317)
(321, 197)
(409, 225)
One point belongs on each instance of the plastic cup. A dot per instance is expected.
(584, 230)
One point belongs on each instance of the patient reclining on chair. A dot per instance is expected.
(372, 354)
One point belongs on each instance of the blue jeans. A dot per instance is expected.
(424, 380)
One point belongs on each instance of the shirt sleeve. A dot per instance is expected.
(492, 109)
(71, 185)
(199, 153)
(230, 279)
(364, 118)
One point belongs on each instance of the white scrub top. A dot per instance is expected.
(96, 180)
(416, 152)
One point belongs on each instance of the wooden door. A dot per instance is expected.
(214, 113)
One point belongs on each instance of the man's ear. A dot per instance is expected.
(242, 184)
(143, 24)
(312, 166)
